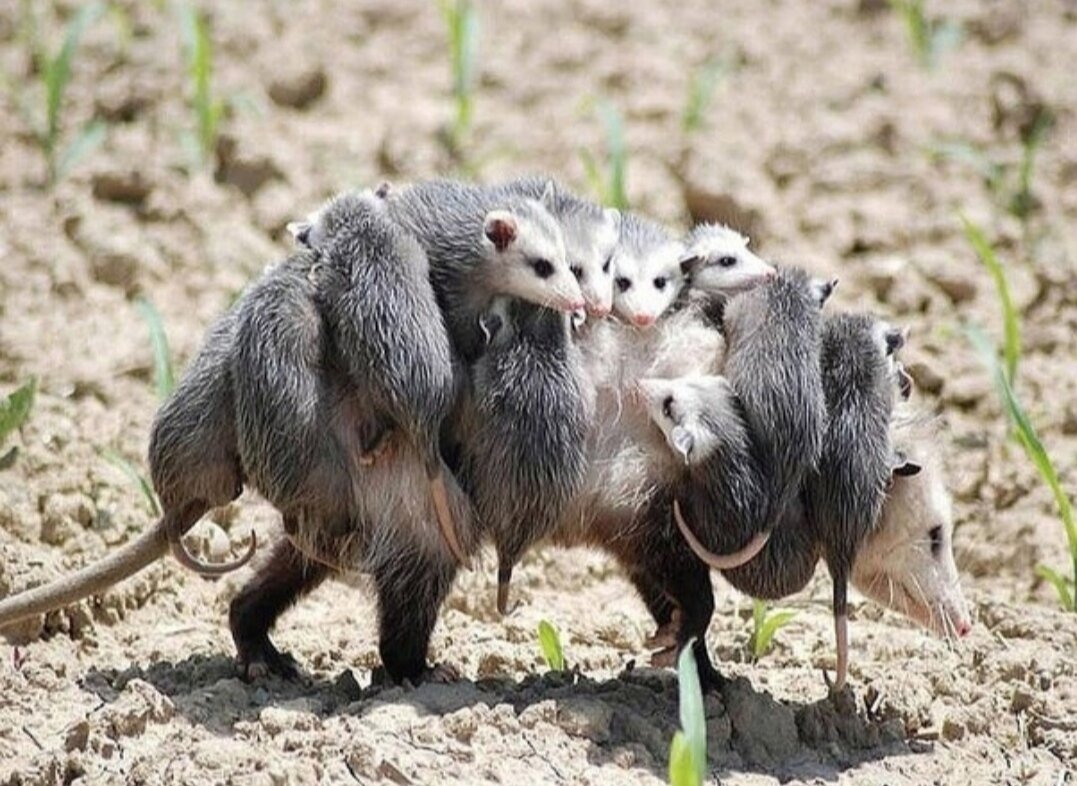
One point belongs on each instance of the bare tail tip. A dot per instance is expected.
(185, 558)
(446, 521)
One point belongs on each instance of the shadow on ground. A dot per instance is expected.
(632, 715)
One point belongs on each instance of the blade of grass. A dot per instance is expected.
(199, 50)
(15, 408)
(163, 374)
(616, 153)
(693, 718)
(550, 643)
(1029, 439)
(1061, 585)
(700, 92)
(136, 477)
(765, 625)
(57, 71)
(682, 765)
(1010, 317)
(88, 138)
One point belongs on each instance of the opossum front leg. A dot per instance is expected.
(278, 584)
(411, 589)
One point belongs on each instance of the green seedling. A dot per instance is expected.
(765, 626)
(164, 378)
(208, 110)
(56, 71)
(1023, 201)
(700, 94)
(550, 643)
(136, 477)
(1033, 447)
(930, 38)
(609, 180)
(462, 26)
(14, 410)
(688, 750)
(1011, 320)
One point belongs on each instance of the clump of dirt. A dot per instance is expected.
(818, 143)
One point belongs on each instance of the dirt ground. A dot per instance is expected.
(817, 142)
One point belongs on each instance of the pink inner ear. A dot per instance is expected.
(501, 232)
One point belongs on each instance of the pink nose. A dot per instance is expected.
(598, 311)
(642, 320)
(576, 305)
(964, 628)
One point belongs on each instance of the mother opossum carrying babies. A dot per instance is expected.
(341, 384)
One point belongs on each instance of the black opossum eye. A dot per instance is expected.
(727, 261)
(667, 407)
(577, 271)
(623, 284)
(936, 540)
(543, 268)
(606, 265)
(660, 283)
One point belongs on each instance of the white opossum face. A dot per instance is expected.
(526, 252)
(646, 284)
(718, 263)
(907, 563)
(589, 245)
(686, 410)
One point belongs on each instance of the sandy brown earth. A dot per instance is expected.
(816, 143)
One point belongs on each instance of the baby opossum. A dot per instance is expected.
(524, 431)
(194, 466)
(590, 233)
(716, 265)
(483, 244)
(333, 351)
(845, 492)
(647, 271)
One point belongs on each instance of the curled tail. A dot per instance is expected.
(126, 561)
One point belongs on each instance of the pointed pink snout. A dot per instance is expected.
(643, 320)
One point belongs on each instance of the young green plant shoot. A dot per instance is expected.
(14, 410)
(765, 626)
(550, 643)
(609, 179)
(137, 478)
(930, 38)
(164, 376)
(688, 750)
(1004, 376)
(462, 26)
(56, 72)
(208, 110)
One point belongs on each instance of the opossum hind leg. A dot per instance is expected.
(285, 578)
(410, 593)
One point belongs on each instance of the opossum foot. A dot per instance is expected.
(442, 674)
(665, 658)
(666, 634)
(266, 661)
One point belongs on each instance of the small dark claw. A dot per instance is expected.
(266, 661)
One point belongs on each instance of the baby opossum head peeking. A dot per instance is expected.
(590, 238)
(314, 230)
(689, 411)
(717, 262)
(907, 562)
(525, 253)
(647, 271)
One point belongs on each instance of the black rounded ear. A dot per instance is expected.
(903, 467)
(895, 340)
(300, 232)
(904, 381)
(823, 289)
(690, 264)
(383, 190)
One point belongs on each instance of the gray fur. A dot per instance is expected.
(525, 431)
(446, 218)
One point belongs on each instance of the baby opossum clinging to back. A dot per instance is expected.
(858, 475)
(590, 233)
(333, 359)
(484, 244)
